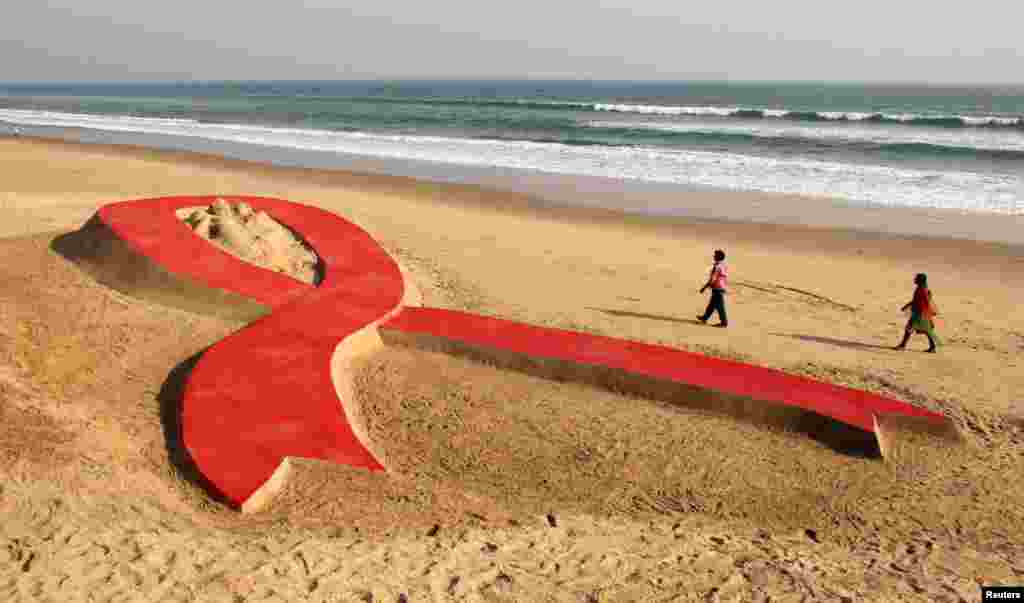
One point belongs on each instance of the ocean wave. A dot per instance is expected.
(549, 105)
(911, 119)
(982, 143)
(944, 121)
(872, 184)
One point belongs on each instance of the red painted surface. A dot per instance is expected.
(850, 406)
(265, 392)
(153, 229)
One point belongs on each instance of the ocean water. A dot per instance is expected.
(911, 146)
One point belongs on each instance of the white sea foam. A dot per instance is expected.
(840, 115)
(992, 120)
(865, 183)
(982, 139)
(666, 110)
(903, 118)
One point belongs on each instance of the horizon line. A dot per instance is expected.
(421, 79)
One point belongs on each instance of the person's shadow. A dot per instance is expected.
(843, 343)
(629, 314)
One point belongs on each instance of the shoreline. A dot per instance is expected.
(647, 205)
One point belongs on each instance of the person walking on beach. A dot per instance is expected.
(717, 283)
(922, 310)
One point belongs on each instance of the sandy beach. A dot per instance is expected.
(502, 486)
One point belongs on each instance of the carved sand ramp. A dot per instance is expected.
(849, 420)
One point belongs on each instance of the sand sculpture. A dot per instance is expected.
(281, 386)
(253, 236)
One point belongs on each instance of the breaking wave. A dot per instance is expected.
(911, 119)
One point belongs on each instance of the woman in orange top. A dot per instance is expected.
(922, 311)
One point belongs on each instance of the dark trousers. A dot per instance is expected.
(717, 303)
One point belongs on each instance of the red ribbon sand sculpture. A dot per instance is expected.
(267, 392)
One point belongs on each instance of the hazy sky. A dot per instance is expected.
(875, 40)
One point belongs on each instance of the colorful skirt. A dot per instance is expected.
(921, 324)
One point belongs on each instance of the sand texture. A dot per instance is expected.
(503, 486)
(255, 237)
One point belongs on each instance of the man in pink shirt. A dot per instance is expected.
(717, 282)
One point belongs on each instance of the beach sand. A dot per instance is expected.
(253, 237)
(501, 486)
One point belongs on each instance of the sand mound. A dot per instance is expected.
(100, 252)
(255, 237)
